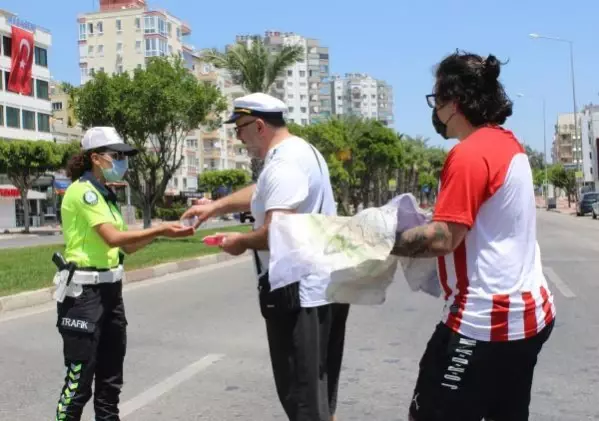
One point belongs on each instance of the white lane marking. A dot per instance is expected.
(51, 306)
(558, 282)
(167, 384)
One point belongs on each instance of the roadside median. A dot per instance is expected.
(26, 274)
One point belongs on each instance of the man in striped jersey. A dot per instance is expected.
(499, 311)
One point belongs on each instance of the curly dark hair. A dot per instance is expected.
(78, 165)
(472, 82)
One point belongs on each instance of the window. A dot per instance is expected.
(119, 25)
(178, 33)
(151, 47)
(13, 117)
(57, 106)
(1, 115)
(82, 33)
(7, 46)
(170, 50)
(42, 88)
(100, 27)
(162, 27)
(137, 23)
(303, 73)
(101, 69)
(90, 29)
(149, 25)
(119, 46)
(84, 73)
(304, 121)
(43, 122)
(291, 109)
(162, 47)
(185, 183)
(289, 72)
(119, 69)
(139, 66)
(41, 57)
(101, 50)
(90, 51)
(169, 28)
(303, 109)
(138, 46)
(28, 120)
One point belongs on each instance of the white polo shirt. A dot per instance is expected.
(292, 179)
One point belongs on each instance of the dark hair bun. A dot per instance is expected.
(491, 68)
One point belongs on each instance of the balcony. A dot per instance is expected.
(213, 153)
(215, 134)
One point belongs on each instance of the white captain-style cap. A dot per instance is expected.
(106, 138)
(259, 105)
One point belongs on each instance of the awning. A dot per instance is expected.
(9, 191)
(61, 185)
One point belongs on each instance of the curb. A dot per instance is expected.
(44, 295)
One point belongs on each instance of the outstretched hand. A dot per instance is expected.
(177, 230)
(203, 210)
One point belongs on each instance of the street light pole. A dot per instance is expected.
(545, 153)
(545, 161)
(576, 137)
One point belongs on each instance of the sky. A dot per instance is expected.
(399, 41)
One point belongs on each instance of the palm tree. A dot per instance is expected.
(253, 66)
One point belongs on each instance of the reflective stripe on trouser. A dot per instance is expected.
(69, 391)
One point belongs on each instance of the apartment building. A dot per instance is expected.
(123, 33)
(208, 148)
(359, 94)
(305, 87)
(63, 124)
(25, 117)
(590, 138)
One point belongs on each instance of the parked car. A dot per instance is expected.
(585, 205)
(243, 216)
(595, 209)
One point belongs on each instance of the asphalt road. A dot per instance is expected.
(30, 240)
(197, 346)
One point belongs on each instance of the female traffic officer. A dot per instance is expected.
(91, 318)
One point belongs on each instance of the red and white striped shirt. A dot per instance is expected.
(494, 285)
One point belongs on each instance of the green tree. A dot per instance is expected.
(153, 110)
(536, 159)
(233, 179)
(253, 66)
(563, 179)
(361, 155)
(25, 161)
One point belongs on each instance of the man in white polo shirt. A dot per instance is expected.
(305, 334)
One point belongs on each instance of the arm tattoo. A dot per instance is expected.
(429, 240)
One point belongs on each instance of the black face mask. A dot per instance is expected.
(440, 127)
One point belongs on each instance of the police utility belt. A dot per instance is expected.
(69, 280)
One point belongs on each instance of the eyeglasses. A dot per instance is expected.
(237, 128)
(430, 100)
(119, 156)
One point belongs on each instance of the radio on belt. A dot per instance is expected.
(65, 271)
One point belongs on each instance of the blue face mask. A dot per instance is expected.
(117, 171)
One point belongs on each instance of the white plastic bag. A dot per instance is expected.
(347, 259)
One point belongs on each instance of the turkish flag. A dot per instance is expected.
(21, 61)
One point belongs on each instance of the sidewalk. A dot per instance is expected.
(561, 206)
